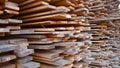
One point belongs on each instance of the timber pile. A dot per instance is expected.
(57, 30)
(7, 22)
(114, 43)
(114, 30)
(12, 47)
(8, 9)
(98, 29)
(7, 50)
(103, 27)
(63, 33)
(99, 53)
(7, 54)
(22, 53)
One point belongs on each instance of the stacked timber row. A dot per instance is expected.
(57, 30)
(60, 33)
(100, 51)
(8, 10)
(7, 50)
(103, 26)
(23, 59)
(114, 32)
(7, 54)
(114, 43)
(12, 47)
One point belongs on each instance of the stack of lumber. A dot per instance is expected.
(57, 30)
(10, 23)
(7, 50)
(16, 49)
(98, 30)
(7, 22)
(113, 10)
(23, 59)
(59, 34)
(7, 54)
(8, 8)
(114, 29)
(114, 43)
(102, 28)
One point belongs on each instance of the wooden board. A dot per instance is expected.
(14, 21)
(42, 47)
(24, 53)
(49, 17)
(6, 58)
(39, 8)
(46, 13)
(4, 21)
(4, 30)
(34, 4)
(29, 65)
(8, 47)
(24, 59)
